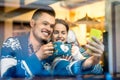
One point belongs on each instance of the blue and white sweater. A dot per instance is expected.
(17, 61)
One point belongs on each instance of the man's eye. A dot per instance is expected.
(45, 23)
(52, 25)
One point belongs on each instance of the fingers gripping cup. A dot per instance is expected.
(62, 49)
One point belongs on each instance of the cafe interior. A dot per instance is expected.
(81, 15)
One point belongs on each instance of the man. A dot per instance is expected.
(22, 56)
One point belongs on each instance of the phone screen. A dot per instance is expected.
(96, 33)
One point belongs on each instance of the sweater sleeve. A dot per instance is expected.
(14, 64)
(96, 69)
(34, 67)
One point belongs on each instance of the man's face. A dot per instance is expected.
(43, 27)
(59, 33)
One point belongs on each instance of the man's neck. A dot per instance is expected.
(36, 45)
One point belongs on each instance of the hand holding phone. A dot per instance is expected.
(97, 34)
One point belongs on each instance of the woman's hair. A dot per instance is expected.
(45, 9)
(61, 21)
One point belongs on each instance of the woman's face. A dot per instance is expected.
(59, 33)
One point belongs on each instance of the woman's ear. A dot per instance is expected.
(32, 23)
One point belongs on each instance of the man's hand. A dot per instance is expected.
(95, 47)
(45, 51)
(95, 50)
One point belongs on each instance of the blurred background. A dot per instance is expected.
(82, 15)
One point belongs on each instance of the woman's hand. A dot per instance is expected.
(69, 58)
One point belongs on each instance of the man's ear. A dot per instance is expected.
(32, 23)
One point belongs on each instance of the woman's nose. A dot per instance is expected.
(60, 35)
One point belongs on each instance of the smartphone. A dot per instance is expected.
(96, 33)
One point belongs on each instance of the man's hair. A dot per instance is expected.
(61, 21)
(42, 9)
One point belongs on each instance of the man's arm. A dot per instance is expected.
(14, 63)
(95, 50)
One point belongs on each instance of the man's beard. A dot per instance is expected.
(39, 39)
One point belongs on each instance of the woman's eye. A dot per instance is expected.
(55, 32)
(63, 33)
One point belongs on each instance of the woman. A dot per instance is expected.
(60, 33)
(81, 64)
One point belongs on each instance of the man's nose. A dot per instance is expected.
(49, 28)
